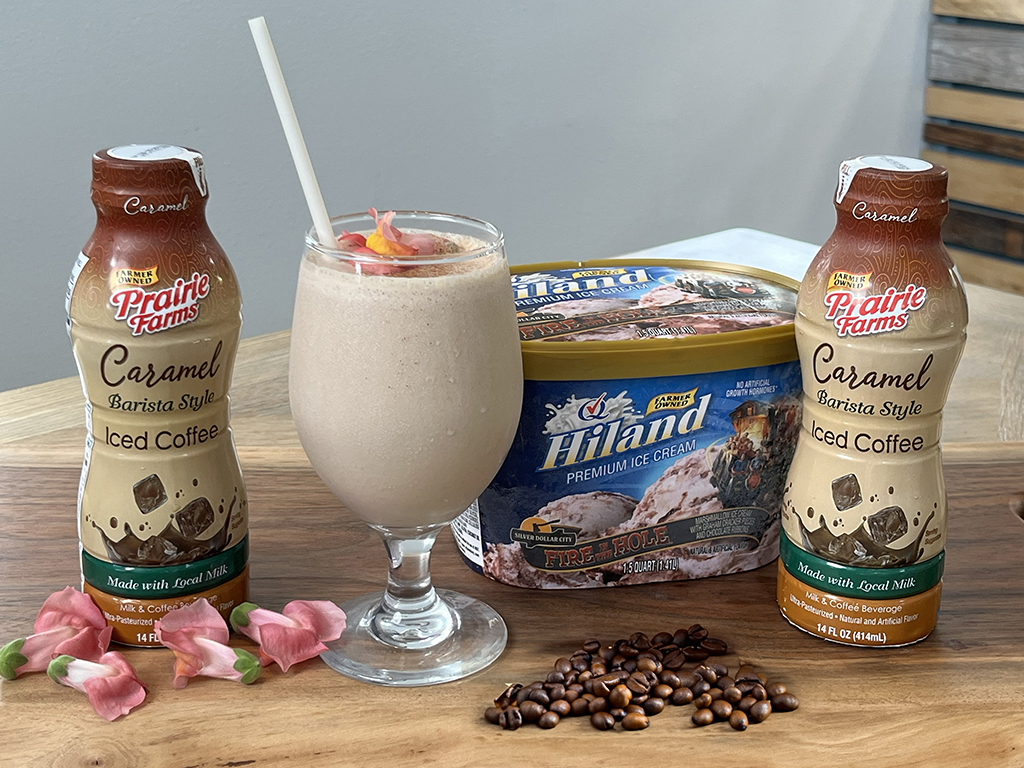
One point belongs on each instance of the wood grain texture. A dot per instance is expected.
(979, 107)
(1011, 11)
(858, 706)
(989, 57)
(988, 231)
(989, 183)
(997, 273)
(976, 139)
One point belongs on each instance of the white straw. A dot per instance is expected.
(292, 132)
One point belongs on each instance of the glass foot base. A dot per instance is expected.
(477, 639)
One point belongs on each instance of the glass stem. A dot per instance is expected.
(410, 615)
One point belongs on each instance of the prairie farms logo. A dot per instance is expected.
(161, 310)
(856, 315)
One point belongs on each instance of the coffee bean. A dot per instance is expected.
(509, 695)
(588, 697)
(674, 660)
(524, 695)
(592, 646)
(584, 677)
(701, 686)
(629, 665)
(638, 684)
(562, 708)
(746, 673)
(720, 669)
(759, 711)
(579, 707)
(662, 691)
(695, 654)
(660, 639)
(613, 678)
(774, 689)
(724, 681)
(598, 704)
(634, 721)
(703, 717)
(647, 665)
(707, 673)
(721, 708)
(714, 646)
(669, 678)
(703, 701)
(599, 688)
(689, 680)
(597, 669)
(570, 696)
(555, 677)
(651, 653)
(681, 696)
(746, 703)
(531, 711)
(681, 638)
(716, 693)
(628, 651)
(617, 713)
(580, 663)
(556, 691)
(732, 694)
(540, 696)
(654, 706)
(491, 715)
(746, 686)
(574, 687)
(510, 718)
(640, 641)
(762, 679)
(738, 720)
(620, 696)
(696, 633)
(785, 702)
(548, 720)
(634, 708)
(758, 692)
(607, 653)
(603, 721)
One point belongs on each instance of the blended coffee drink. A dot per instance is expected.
(154, 314)
(880, 326)
(431, 396)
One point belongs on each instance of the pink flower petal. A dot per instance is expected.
(289, 645)
(69, 608)
(111, 684)
(352, 238)
(198, 635)
(324, 618)
(86, 643)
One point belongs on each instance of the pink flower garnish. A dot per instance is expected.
(110, 683)
(68, 623)
(295, 634)
(198, 635)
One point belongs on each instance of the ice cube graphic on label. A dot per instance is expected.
(846, 493)
(149, 493)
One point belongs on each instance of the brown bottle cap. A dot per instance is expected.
(888, 188)
(148, 179)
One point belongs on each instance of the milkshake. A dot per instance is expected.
(406, 388)
(406, 383)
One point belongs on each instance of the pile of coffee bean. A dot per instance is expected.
(631, 680)
(742, 699)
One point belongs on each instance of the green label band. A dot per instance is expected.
(155, 581)
(864, 583)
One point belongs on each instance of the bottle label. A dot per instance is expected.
(160, 309)
(854, 314)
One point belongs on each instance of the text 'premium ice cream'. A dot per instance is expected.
(154, 314)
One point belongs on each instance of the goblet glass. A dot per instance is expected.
(405, 381)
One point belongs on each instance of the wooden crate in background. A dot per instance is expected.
(974, 111)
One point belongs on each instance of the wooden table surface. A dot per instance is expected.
(955, 699)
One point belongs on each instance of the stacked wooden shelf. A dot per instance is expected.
(975, 120)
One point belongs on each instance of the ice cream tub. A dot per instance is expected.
(660, 415)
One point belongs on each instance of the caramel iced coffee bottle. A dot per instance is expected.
(154, 314)
(880, 326)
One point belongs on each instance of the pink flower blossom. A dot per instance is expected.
(110, 683)
(198, 635)
(295, 634)
(68, 623)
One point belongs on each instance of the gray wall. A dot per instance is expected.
(582, 128)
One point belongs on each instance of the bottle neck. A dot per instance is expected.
(856, 219)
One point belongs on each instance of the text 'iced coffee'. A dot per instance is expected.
(154, 315)
(880, 327)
